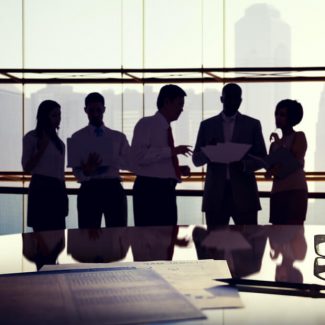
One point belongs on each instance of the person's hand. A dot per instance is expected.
(275, 170)
(92, 163)
(182, 242)
(274, 137)
(183, 150)
(268, 174)
(185, 170)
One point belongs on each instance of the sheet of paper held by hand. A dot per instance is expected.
(226, 152)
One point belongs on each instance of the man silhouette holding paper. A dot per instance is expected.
(230, 188)
(96, 153)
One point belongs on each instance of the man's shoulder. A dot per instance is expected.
(80, 132)
(211, 120)
(147, 120)
(248, 119)
(115, 133)
(30, 134)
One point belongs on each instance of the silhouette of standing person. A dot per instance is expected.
(155, 161)
(289, 195)
(101, 191)
(43, 156)
(230, 190)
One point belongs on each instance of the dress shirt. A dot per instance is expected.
(228, 126)
(150, 151)
(51, 162)
(120, 152)
(228, 123)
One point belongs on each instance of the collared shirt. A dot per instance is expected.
(228, 126)
(51, 162)
(228, 123)
(119, 148)
(150, 151)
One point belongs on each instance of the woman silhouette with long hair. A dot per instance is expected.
(43, 157)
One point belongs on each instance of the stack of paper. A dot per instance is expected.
(193, 279)
(98, 296)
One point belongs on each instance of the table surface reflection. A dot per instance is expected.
(276, 253)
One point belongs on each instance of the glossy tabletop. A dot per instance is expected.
(275, 253)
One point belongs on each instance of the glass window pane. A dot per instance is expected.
(11, 214)
(173, 33)
(273, 34)
(73, 34)
(11, 127)
(132, 37)
(11, 34)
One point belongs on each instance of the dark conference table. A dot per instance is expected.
(273, 253)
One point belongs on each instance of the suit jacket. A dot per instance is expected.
(246, 130)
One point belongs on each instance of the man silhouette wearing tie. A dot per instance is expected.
(101, 191)
(230, 190)
(155, 161)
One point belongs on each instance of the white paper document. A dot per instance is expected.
(194, 279)
(226, 152)
(80, 148)
(98, 296)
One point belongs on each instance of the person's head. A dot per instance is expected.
(288, 113)
(231, 99)
(170, 102)
(48, 116)
(95, 108)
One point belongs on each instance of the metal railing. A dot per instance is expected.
(195, 177)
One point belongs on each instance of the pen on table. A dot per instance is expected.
(272, 287)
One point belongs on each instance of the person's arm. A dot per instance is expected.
(199, 158)
(268, 173)
(142, 151)
(32, 153)
(299, 146)
(123, 159)
(258, 149)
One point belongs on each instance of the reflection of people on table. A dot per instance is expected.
(288, 242)
(242, 247)
(289, 195)
(43, 247)
(98, 245)
(155, 243)
(43, 157)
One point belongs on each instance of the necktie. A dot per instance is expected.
(98, 131)
(174, 157)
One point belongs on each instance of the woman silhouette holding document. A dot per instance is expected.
(289, 195)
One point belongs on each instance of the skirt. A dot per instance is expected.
(47, 203)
